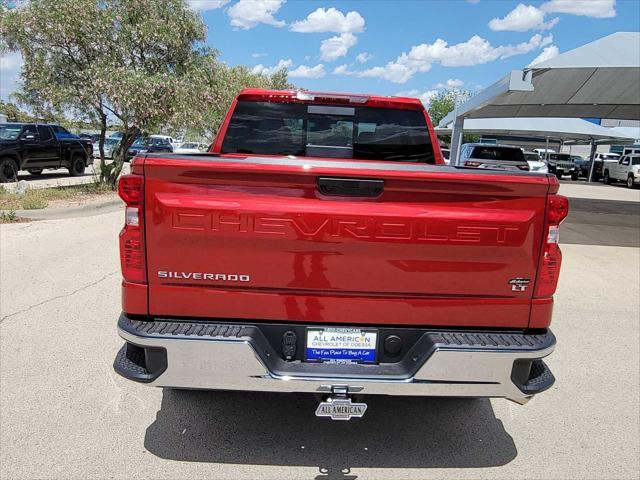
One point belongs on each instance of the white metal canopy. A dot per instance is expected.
(600, 79)
(632, 132)
(560, 128)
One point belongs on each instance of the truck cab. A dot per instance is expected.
(626, 169)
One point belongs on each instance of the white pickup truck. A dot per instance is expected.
(627, 170)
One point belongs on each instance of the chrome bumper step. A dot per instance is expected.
(228, 356)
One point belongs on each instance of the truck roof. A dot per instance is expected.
(42, 124)
(304, 96)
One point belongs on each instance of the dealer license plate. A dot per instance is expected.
(341, 345)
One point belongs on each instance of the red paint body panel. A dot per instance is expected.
(134, 298)
(252, 237)
(436, 248)
(541, 311)
(195, 301)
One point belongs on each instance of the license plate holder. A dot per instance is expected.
(341, 345)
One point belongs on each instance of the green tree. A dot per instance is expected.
(219, 86)
(280, 80)
(125, 60)
(14, 113)
(446, 101)
(139, 63)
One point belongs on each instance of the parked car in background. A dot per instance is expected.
(446, 153)
(492, 156)
(631, 150)
(174, 143)
(561, 164)
(581, 165)
(543, 151)
(149, 145)
(607, 157)
(600, 160)
(109, 145)
(627, 170)
(535, 164)
(190, 147)
(35, 147)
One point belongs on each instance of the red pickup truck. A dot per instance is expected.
(322, 246)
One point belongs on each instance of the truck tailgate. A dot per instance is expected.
(255, 238)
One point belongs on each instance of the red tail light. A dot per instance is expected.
(132, 248)
(131, 189)
(551, 258)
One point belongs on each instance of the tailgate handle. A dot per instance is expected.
(350, 187)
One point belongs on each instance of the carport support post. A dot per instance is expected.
(591, 157)
(456, 139)
(546, 151)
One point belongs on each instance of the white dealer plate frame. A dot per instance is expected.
(341, 345)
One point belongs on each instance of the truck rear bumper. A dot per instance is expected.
(182, 354)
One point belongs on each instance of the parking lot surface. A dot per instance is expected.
(60, 177)
(66, 414)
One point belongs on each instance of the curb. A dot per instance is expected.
(69, 212)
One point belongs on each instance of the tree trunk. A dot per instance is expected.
(114, 169)
(103, 133)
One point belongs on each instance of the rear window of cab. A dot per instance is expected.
(498, 153)
(308, 130)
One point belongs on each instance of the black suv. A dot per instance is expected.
(35, 147)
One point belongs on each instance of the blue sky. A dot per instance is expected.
(476, 53)
(397, 47)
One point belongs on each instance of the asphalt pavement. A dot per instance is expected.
(64, 413)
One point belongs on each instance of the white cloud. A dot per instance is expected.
(547, 54)
(425, 96)
(420, 58)
(10, 65)
(343, 70)
(202, 5)
(473, 1)
(393, 72)
(264, 70)
(363, 57)
(258, 55)
(521, 19)
(247, 14)
(337, 46)
(330, 20)
(585, 8)
(303, 71)
(450, 83)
